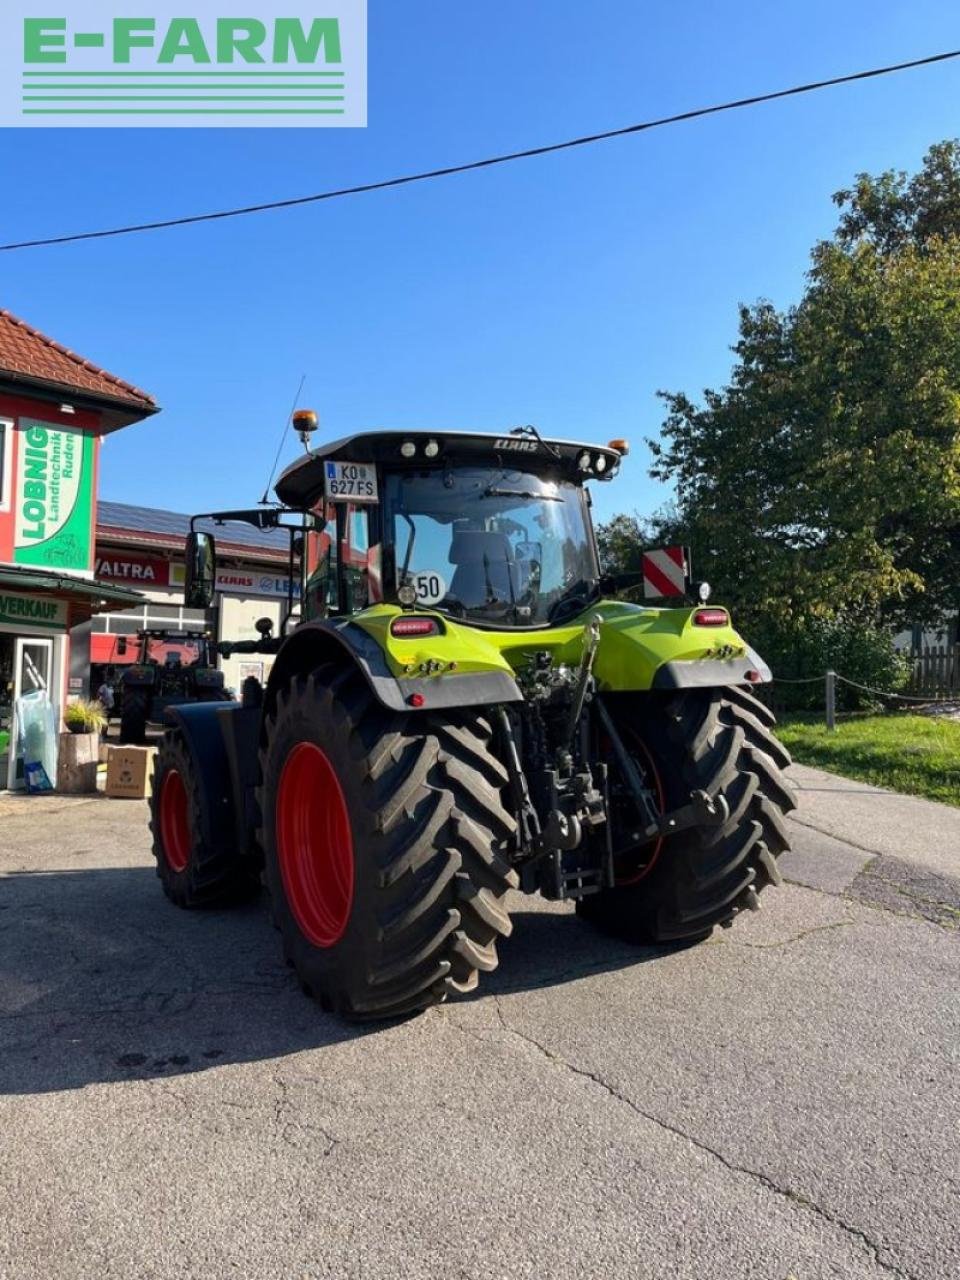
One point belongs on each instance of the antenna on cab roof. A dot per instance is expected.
(283, 435)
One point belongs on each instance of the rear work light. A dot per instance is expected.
(711, 618)
(406, 627)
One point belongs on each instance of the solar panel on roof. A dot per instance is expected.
(122, 515)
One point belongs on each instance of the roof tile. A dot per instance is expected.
(31, 354)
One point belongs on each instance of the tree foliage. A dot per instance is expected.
(824, 480)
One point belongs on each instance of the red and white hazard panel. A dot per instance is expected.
(665, 572)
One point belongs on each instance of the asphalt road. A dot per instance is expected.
(782, 1101)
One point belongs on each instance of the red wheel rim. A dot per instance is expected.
(174, 821)
(314, 845)
(661, 806)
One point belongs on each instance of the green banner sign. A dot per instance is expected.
(53, 498)
(32, 613)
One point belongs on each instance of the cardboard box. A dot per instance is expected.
(129, 772)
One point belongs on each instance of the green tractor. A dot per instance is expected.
(459, 706)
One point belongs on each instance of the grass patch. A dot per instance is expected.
(916, 755)
(4, 741)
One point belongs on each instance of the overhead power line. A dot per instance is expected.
(488, 163)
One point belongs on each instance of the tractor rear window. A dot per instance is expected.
(492, 545)
(169, 652)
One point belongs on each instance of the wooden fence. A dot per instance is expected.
(934, 670)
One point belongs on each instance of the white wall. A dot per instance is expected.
(238, 615)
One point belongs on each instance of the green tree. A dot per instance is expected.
(824, 480)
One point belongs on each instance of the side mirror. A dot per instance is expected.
(201, 576)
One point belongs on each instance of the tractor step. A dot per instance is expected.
(562, 884)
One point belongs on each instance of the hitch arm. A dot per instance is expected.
(703, 810)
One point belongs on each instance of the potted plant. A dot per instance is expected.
(84, 716)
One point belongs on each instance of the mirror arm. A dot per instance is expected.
(270, 644)
(255, 516)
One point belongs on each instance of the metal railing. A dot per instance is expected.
(891, 700)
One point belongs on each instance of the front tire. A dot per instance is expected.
(134, 714)
(713, 740)
(385, 838)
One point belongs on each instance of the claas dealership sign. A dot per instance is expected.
(153, 572)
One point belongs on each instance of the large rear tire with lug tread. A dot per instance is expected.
(134, 713)
(386, 839)
(194, 871)
(713, 740)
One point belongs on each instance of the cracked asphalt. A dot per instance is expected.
(781, 1102)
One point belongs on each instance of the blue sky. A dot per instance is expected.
(562, 291)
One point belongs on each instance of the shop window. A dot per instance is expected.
(6, 460)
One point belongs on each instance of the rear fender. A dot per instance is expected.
(642, 649)
(222, 738)
(316, 642)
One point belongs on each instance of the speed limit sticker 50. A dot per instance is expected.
(350, 482)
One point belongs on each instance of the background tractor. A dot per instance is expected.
(463, 707)
(172, 668)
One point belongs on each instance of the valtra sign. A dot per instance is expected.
(115, 568)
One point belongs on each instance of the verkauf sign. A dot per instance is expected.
(29, 613)
(94, 63)
(53, 496)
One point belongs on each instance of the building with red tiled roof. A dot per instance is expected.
(55, 409)
(34, 364)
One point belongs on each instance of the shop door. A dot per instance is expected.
(6, 703)
(32, 671)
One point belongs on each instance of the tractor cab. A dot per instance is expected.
(492, 531)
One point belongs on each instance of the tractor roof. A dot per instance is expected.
(174, 637)
(523, 452)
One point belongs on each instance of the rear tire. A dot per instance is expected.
(385, 838)
(710, 740)
(134, 714)
(194, 871)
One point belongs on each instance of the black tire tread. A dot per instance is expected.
(134, 714)
(214, 874)
(437, 832)
(721, 740)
